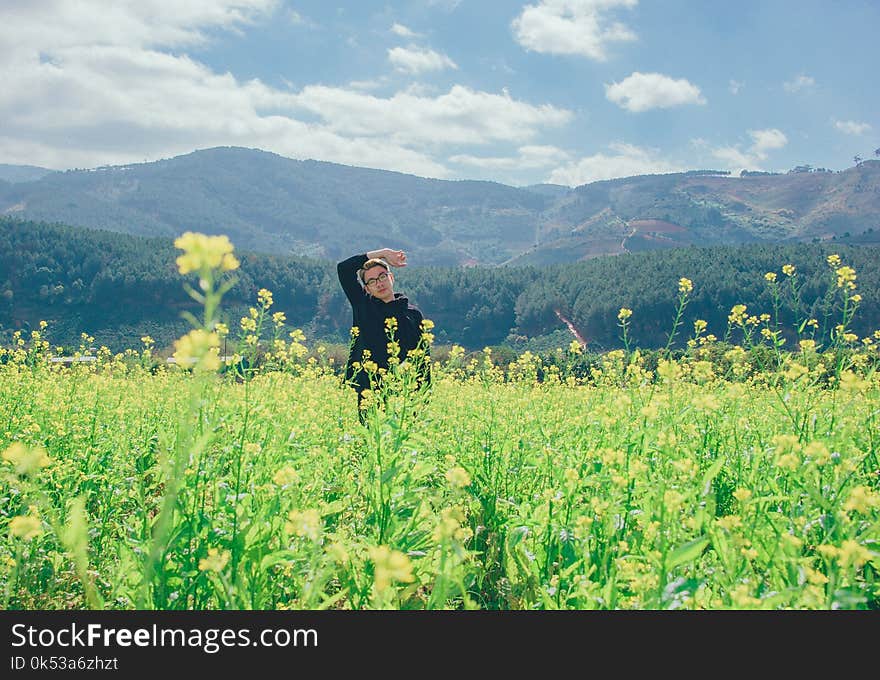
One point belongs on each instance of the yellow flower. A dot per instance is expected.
(390, 565)
(833, 260)
(861, 499)
(672, 500)
(788, 269)
(25, 527)
(265, 298)
(699, 326)
(215, 561)
(742, 495)
(305, 523)
(458, 477)
(624, 314)
(202, 252)
(807, 345)
(846, 277)
(770, 277)
(853, 554)
(737, 314)
(198, 349)
(706, 402)
(26, 460)
(685, 286)
(817, 452)
(286, 476)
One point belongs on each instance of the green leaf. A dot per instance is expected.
(687, 552)
(711, 473)
(277, 557)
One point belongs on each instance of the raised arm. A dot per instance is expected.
(347, 271)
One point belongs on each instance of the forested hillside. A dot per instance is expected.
(120, 287)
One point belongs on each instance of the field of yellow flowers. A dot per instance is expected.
(692, 481)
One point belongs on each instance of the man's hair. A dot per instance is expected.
(369, 264)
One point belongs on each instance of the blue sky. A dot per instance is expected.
(561, 91)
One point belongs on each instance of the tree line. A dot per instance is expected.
(118, 287)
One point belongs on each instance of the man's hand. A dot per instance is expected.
(396, 258)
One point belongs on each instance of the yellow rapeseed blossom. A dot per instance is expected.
(788, 269)
(286, 476)
(390, 565)
(215, 561)
(26, 460)
(833, 260)
(706, 402)
(458, 477)
(817, 452)
(742, 495)
(852, 554)
(770, 277)
(305, 523)
(846, 277)
(265, 298)
(624, 314)
(25, 527)
(202, 252)
(861, 499)
(685, 286)
(737, 315)
(198, 349)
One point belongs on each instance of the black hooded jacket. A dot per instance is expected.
(369, 314)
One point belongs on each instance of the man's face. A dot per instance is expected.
(379, 282)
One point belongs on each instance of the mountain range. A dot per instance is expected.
(268, 203)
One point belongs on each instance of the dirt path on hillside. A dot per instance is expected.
(571, 327)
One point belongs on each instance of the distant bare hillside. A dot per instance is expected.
(269, 203)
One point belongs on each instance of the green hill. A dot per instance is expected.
(268, 203)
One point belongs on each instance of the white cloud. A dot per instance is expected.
(735, 86)
(298, 19)
(644, 91)
(128, 23)
(101, 85)
(766, 140)
(414, 59)
(802, 82)
(528, 157)
(403, 31)
(448, 5)
(754, 156)
(851, 127)
(571, 27)
(626, 161)
(460, 116)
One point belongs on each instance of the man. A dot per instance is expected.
(368, 283)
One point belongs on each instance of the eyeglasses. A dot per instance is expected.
(382, 277)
